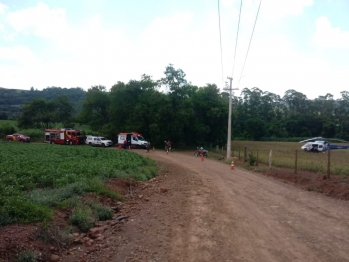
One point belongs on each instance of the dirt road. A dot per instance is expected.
(211, 213)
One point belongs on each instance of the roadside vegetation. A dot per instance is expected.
(8, 127)
(36, 178)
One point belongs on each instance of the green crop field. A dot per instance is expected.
(283, 155)
(37, 177)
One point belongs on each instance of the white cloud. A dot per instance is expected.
(276, 9)
(21, 69)
(2, 8)
(275, 65)
(40, 20)
(19, 54)
(273, 9)
(327, 36)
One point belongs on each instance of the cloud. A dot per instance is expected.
(19, 68)
(327, 36)
(2, 8)
(39, 20)
(89, 55)
(275, 65)
(20, 54)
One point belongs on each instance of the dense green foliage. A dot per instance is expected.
(37, 177)
(183, 113)
(265, 116)
(40, 113)
(11, 100)
(172, 108)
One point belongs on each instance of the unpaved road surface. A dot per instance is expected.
(213, 213)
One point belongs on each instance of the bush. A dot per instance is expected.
(51, 197)
(53, 234)
(252, 160)
(26, 256)
(22, 211)
(5, 130)
(101, 212)
(36, 135)
(82, 217)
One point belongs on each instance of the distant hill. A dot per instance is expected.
(11, 100)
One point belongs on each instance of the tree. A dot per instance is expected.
(296, 102)
(64, 110)
(211, 114)
(39, 113)
(95, 109)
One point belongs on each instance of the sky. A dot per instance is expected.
(296, 44)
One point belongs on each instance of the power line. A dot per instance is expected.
(237, 36)
(220, 38)
(250, 41)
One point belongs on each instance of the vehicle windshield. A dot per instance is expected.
(80, 133)
(103, 138)
(140, 138)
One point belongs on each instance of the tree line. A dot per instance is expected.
(172, 108)
(11, 100)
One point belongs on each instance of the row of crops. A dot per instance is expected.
(34, 178)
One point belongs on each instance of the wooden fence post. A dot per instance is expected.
(257, 158)
(270, 158)
(295, 162)
(245, 154)
(239, 153)
(329, 164)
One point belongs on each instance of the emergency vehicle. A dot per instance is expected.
(133, 140)
(65, 136)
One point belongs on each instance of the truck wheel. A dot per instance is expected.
(90, 144)
(103, 145)
(70, 142)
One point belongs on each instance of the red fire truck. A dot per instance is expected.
(65, 136)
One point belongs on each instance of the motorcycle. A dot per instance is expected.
(201, 152)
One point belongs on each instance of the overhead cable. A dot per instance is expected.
(250, 41)
(220, 39)
(237, 36)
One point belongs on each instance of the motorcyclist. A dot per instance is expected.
(168, 145)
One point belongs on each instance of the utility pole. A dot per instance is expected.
(229, 117)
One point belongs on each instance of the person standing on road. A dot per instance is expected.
(148, 146)
(169, 145)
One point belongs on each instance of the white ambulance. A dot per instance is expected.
(133, 140)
